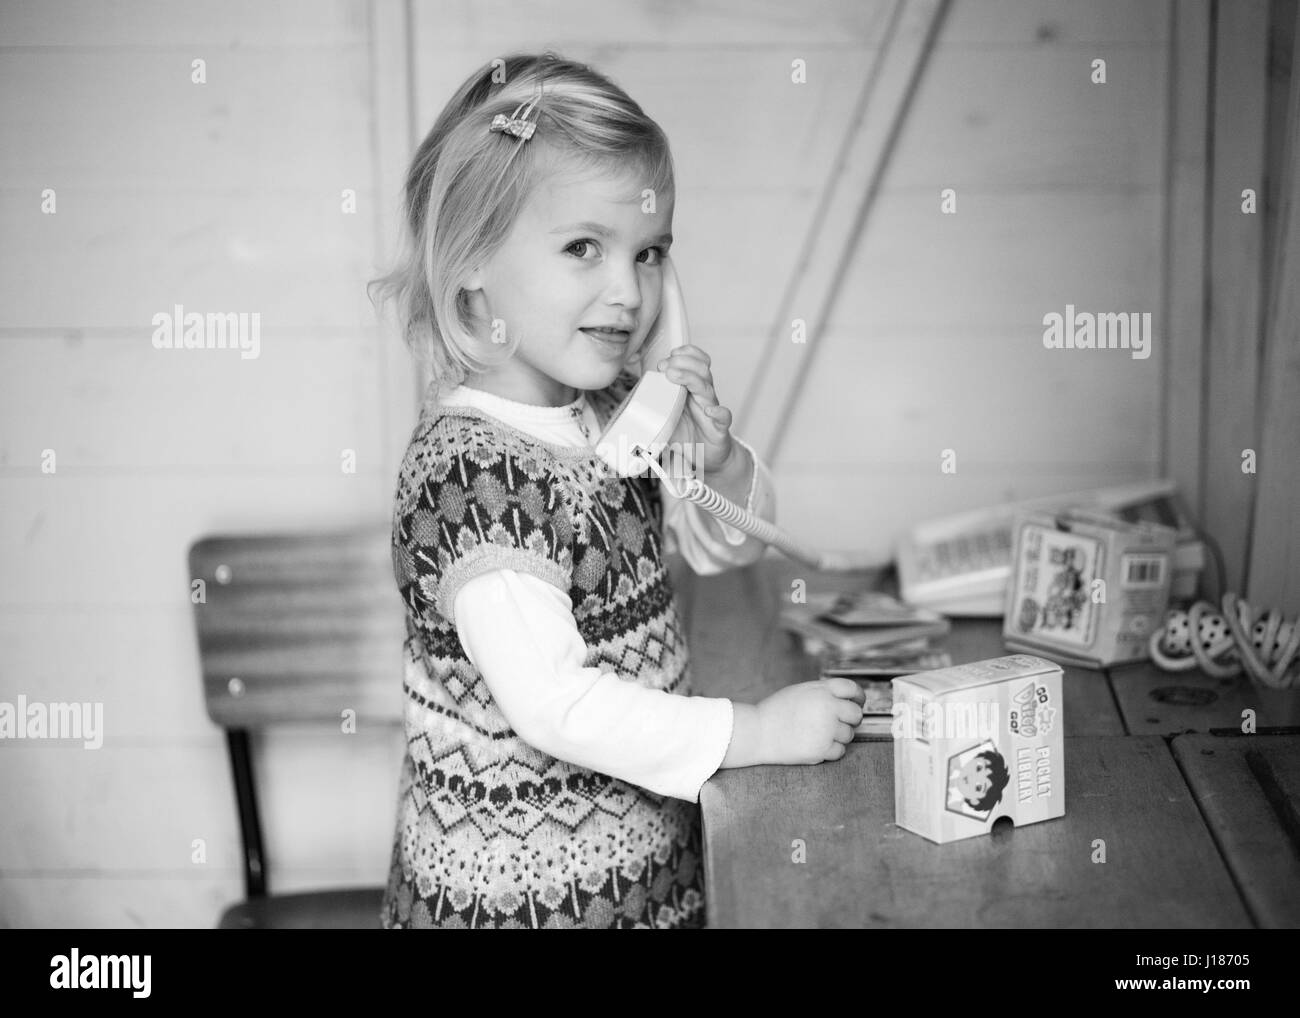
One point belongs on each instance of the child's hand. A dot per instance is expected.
(810, 721)
(705, 421)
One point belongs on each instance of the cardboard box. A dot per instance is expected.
(977, 742)
(1087, 588)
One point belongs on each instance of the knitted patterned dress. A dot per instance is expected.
(492, 832)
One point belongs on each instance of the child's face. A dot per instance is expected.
(553, 278)
(973, 780)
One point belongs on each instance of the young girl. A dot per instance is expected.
(554, 753)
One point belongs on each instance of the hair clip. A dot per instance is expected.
(518, 125)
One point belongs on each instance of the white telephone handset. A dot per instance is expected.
(649, 415)
(638, 432)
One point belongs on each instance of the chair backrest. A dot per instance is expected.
(293, 628)
(298, 627)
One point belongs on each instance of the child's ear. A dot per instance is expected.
(474, 281)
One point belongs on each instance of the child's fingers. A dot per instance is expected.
(706, 414)
(848, 712)
(695, 351)
(691, 371)
(696, 381)
(846, 688)
(692, 353)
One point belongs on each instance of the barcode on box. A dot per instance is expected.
(1143, 570)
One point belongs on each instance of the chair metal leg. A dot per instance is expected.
(250, 826)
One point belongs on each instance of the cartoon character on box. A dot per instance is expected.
(976, 779)
(1065, 596)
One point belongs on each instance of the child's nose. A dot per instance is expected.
(625, 288)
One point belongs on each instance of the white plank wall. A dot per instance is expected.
(224, 196)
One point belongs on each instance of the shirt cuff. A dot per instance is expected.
(710, 764)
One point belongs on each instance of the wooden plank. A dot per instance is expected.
(306, 627)
(150, 900)
(1233, 367)
(266, 124)
(997, 400)
(587, 28)
(1282, 100)
(1274, 576)
(134, 526)
(1248, 787)
(738, 651)
(1013, 24)
(1000, 264)
(202, 25)
(193, 391)
(289, 256)
(132, 649)
(1017, 119)
(328, 802)
(1156, 702)
(1162, 868)
(1184, 256)
(1090, 707)
(393, 141)
(117, 808)
(869, 137)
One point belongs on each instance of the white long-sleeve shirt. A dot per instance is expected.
(518, 630)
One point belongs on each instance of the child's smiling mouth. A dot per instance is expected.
(611, 339)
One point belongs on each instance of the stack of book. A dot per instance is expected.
(871, 638)
(848, 624)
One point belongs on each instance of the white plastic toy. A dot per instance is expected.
(1222, 644)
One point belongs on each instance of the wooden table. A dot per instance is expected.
(1196, 830)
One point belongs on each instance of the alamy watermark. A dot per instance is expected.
(75, 971)
(52, 721)
(217, 330)
(1110, 330)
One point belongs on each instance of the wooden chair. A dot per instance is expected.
(296, 628)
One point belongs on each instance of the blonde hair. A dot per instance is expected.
(466, 185)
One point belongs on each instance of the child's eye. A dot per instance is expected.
(586, 242)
